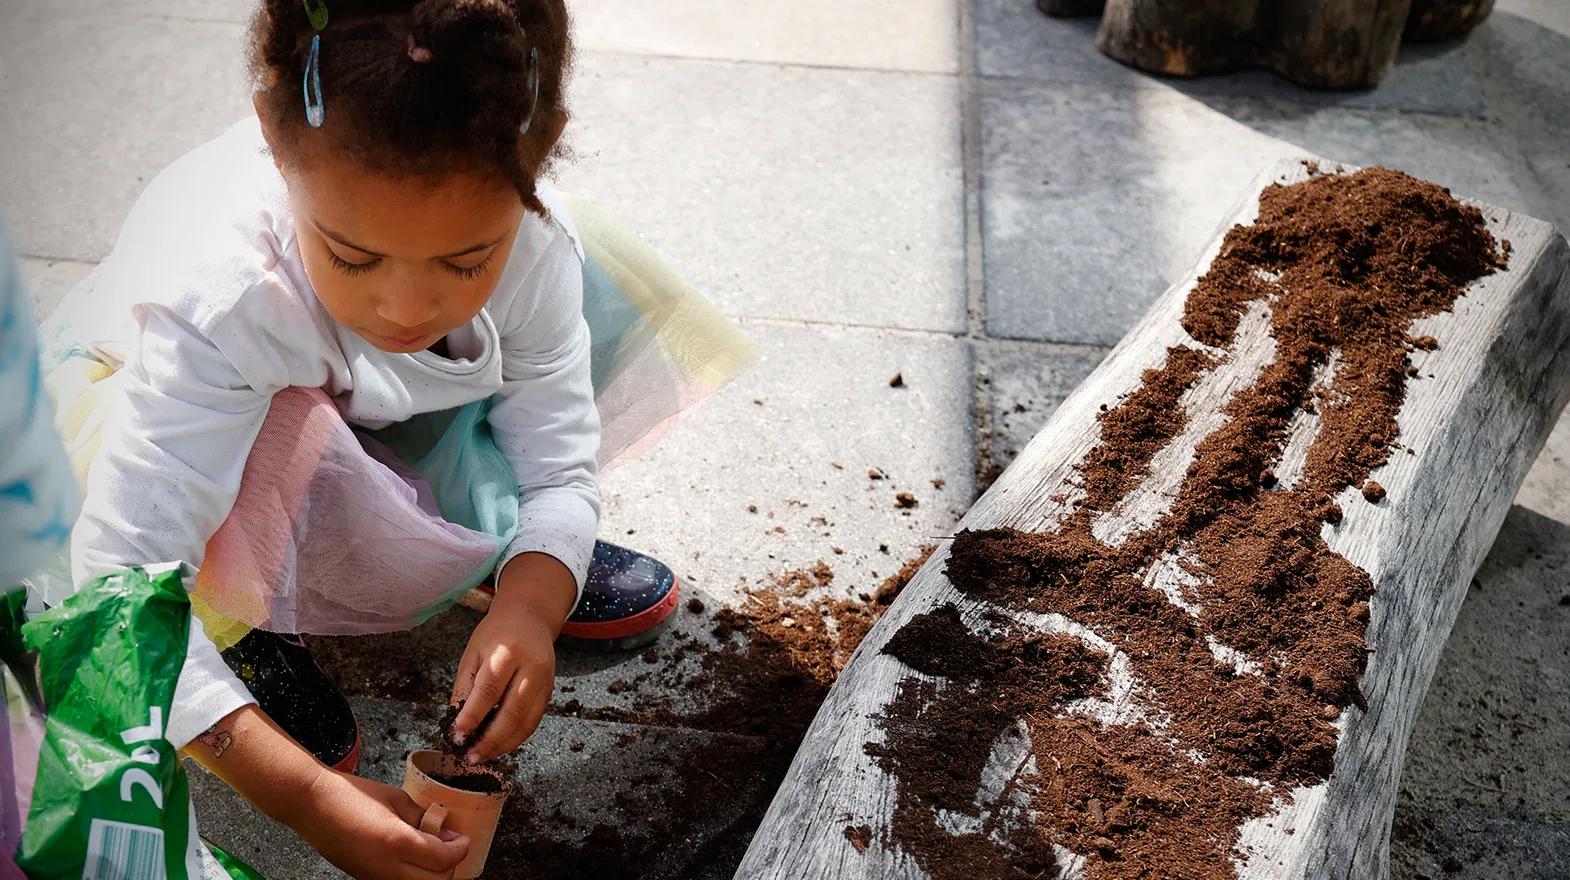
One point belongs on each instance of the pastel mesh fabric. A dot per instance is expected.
(342, 531)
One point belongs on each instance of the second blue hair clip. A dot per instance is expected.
(315, 111)
(534, 88)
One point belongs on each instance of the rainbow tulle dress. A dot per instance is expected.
(342, 530)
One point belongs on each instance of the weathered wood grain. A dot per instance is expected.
(1475, 419)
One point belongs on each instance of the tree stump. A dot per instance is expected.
(1321, 43)
(1445, 19)
(1493, 375)
(1337, 44)
(1070, 8)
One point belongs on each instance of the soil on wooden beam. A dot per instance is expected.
(776, 658)
(1345, 265)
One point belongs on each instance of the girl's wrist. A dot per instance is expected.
(538, 585)
(317, 791)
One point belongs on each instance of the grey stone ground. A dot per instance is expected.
(962, 191)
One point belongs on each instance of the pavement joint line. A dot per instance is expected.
(1045, 343)
(1070, 343)
(767, 321)
(763, 62)
(52, 259)
(970, 157)
(982, 395)
(978, 338)
(986, 86)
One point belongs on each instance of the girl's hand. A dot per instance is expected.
(370, 830)
(510, 663)
(366, 828)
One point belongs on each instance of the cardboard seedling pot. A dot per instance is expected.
(471, 813)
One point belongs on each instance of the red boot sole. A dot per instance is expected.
(643, 621)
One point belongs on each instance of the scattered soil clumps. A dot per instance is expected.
(1344, 264)
(777, 656)
(860, 836)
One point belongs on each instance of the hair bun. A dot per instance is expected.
(469, 32)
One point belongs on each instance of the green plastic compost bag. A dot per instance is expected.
(109, 800)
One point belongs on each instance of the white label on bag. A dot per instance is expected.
(123, 851)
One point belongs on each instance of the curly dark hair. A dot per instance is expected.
(421, 88)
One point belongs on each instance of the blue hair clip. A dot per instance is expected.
(315, 109)
(534, 88)
(315, 112)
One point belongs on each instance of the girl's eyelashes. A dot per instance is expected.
(348, 268)
(469, 273)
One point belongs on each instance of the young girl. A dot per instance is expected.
(346, 359)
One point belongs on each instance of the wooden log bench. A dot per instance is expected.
(1323, 43)
(1493, 373)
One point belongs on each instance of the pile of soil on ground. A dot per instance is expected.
(1345, 264)
(776, 657)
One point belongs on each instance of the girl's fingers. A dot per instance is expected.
(489, 683)
(464, 682)
(519, 716)
(429, 852)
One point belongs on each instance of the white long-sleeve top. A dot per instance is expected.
(206, 302)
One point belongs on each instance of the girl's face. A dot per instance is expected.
(401, 261)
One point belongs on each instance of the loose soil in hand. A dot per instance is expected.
(1345, 264)
(492, 776)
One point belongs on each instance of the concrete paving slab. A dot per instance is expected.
(1094, 199)
(232, 11)
(1546, 489)
(108, 100)
(817, 195)
(1492, 739)
(49, 280)
(822, 398)
(1548, 13)
(877, 34)
(1461, 154)
(1472, 846)
(1022, 384)
(572, 776)
(1485, 791)
(1524, 66)
(1013, 39)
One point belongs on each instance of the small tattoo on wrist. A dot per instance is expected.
(217, 740)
